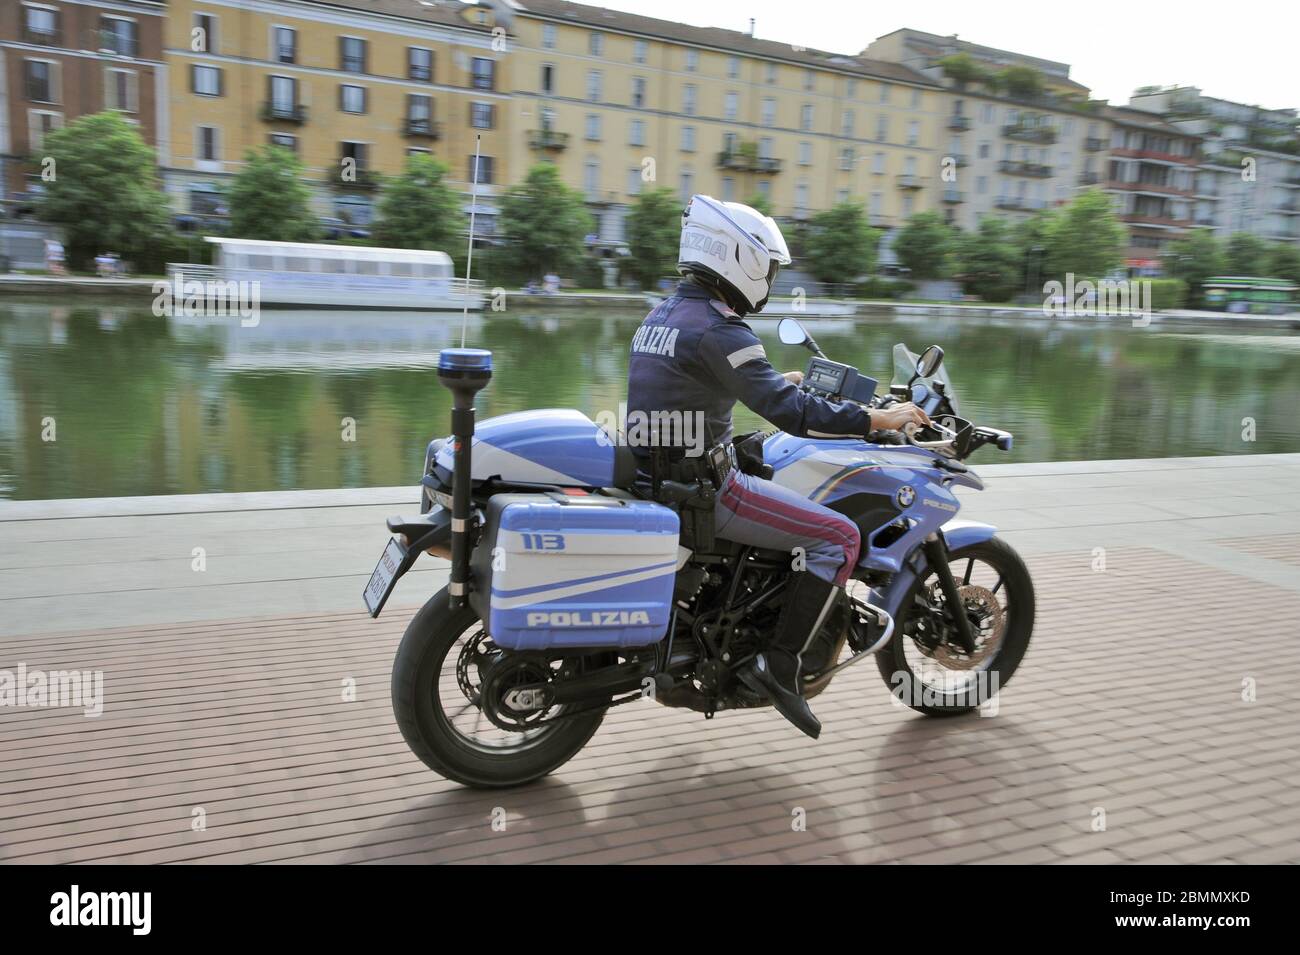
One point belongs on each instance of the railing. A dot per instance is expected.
(1014, 168)
(42, 38)
(747, 162)
(284, 112)
(414, 128)
(453, 285)
(1035, 134)
(547, 139)
(952, 196)
(1094, 145)
(1089, 178)
(356, 177)
(958, 122)
(908, 180)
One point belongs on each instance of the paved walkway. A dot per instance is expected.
(225, 735)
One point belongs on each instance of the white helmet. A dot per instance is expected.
(734, 247)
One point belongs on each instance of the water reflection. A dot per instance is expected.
(142, 405)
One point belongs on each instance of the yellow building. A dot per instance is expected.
(352, 86)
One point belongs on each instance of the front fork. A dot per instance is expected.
(936, 554)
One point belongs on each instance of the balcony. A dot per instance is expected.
(421, 128)
(1139, 218)
(1028, 133)
(960, 159)
(1011, 202)
(1289, 209)
(358, 178)
(284, 113)
(547, 139)
(42, 37)
(952, 196)
(747, 160)
(1094, 145)
(1031, 169)
(958, 123)
(909, 181)
(1205, 221)
(1089, 178)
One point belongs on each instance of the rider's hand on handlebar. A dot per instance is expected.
(896, 417)
(794, 377)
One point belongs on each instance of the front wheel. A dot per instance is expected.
(446, 667)
(924, 665)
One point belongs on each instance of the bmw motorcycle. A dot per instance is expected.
(575, 586)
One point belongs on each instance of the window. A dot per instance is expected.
(634, 181)
(913, 132)
(120, 90)
(205, 199)
(592, 127)
(591, 178)
(805, 153)
(984, 150)
(846, 158)
(809, 80)
(418, 151)
(908, 204)
(118, 35)
(419, 64)
(765, 147)
(548, 79)
(688, 139)
(731, 105)
(801, 196)
(548, 36)
(205, 80)
(203, 38)
(42, 26)
(728, 189)
(916, 99)
(987, 112)
(769, 73)
(640, 51)
(686, 184)
(352, 99)
(284, 45)
(359, 153)
(733, 67)
(352, 54)
(851, 87)
(981, 185)
(206, 148)
(483, 73)
(692, 60)
(596, 44)
(882, 128)
(884, 92)
(769, 111)
(284, 141)
(486, 170)
(594, 84)
(419, 111)
(874, 206)
(42, 81)
(636, 132)
(482, 116)
(284, 94)
(878, 164)
(688, 99)
(847, 123)
(638, 91)
(806, 117)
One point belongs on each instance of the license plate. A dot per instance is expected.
(385, 577)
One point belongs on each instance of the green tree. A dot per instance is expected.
(1021, 81)
(962, 69)
(1284, 261)
(1194, 258)
(1085, 237)
(544, 224)
(418, 210)
(760, 202)
(923, 245)
(1246, 254)
(269, 199)
(988, 261)
(653, 233)
(841, 246)
(103, 190)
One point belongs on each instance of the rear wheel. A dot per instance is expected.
(446, 669)
(924, 665)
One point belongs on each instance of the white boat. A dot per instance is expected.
(295, 274)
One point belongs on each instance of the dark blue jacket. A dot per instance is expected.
(693, 353)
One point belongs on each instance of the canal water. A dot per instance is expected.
(107, 399)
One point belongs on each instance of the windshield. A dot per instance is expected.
(905, 368)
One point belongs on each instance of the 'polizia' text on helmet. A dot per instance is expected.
(733, 247)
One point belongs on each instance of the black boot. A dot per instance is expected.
(775, 672)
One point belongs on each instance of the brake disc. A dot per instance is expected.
(988, 621)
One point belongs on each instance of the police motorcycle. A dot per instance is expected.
(576, 585)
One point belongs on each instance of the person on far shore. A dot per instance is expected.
(54, 257)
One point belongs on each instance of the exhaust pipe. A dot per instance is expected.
(464, 372)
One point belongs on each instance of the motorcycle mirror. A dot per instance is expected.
(929, 362)
(791, 332)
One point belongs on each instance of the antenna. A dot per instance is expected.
(469, 259)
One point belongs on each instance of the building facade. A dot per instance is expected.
(61, 59)
(1248, 179)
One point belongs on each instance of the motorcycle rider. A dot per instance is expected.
(694, 354)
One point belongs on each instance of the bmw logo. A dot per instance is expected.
(905, 496)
